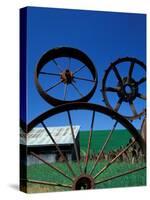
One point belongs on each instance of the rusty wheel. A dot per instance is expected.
(143, 129)
(85, 172)
(65, 70)
(126, 87)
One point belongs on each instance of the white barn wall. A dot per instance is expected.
(51, 158)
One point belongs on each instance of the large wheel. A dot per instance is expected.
(88, 170)
(65, 75)
(143, 129)
(126, 87)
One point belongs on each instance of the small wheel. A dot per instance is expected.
(89, 170)
(61, 74)
(126, 88)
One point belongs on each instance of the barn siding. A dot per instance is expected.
(51, 158)
(31, 160)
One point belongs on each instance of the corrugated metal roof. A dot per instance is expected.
(38, 136)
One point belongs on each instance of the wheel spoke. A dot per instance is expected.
(117, 106)
(84, 79)
(89, 142)
(142, 80)
(58, 65)
(117, 74)
(49, 73)
(79, 69)
(74, 141)
(58, 149)
(65, 91)
(69, 63)
(131, 70)
(50, 165)
(113, 160)
(133, 108)
(111, 89)
(141, 96)
(77, 90)
(103, 147)
(48, 183)
(119, 175)
(53, 86)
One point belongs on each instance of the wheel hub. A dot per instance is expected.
(129, 90)
(83, 182)
(67, 76)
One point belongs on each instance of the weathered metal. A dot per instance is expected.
(103, 147)
(127, 88)
(51, 166)
(86, 179)
(89, 142)
(66, 76)
(143, 129)
(48, 183)
(58, 149)
(83, 181)
(74, 141)
(89, 106)
(114, 159)
(120, 175)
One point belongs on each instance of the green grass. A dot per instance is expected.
(118, 139)
(45, 173)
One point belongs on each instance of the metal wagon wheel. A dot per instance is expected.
(66, 76)
(143, 129)
(127, 88)
(86, 177)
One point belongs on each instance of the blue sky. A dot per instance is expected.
(103, 36)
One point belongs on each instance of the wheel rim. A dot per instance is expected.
(86, 179)
(143, 130)
(127, 87)
(67, 77)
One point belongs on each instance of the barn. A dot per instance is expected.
(39, 142)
